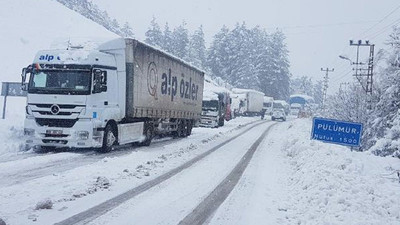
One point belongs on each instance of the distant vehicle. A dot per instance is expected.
(295, 109)
(304, 105)
(250, 101)
(278, 113)
(215, 110)
(281, 104)
(123, 91)
(268, 105)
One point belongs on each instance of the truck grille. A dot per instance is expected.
(61, 106)
(67, 123)
(59, 114)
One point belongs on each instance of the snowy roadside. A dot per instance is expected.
(329, 184)
(78, 188)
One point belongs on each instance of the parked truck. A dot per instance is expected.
(268, 105)
(215, 110)
(121, 92)
(250, 101)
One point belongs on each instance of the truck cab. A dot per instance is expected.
(72, 95)
(213, 111)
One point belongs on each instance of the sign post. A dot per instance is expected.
(5, 99)
(10, 89)
(337, 132)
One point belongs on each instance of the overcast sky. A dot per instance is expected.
(317, 31)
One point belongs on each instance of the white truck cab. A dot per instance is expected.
(71, 93)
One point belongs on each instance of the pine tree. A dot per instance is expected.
(154, 35)
(127, 30)
(279, 67)
(244, 74)
(197, 48)
(180, 41)
(383, 129)
(218, 58)
(167, 39)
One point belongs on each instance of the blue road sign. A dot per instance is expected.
(337, 132)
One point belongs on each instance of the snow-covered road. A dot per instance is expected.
(69, 176)
(290, 179)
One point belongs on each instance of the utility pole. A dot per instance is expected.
(370, 66)
(325, 86)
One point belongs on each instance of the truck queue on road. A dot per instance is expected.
(123, 91)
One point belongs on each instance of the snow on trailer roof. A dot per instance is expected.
(242, 91)
(268, 99)
(283, 102)
(120, 43)
(307, 97)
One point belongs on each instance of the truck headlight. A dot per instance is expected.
(29, 132)
(82, 135)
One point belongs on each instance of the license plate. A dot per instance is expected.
(54, 131)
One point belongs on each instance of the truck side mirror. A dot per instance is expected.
(99, 81)
(96, 81)
(103, 81)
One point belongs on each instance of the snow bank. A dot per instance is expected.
(329, 184)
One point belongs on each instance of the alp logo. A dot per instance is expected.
(48, 58)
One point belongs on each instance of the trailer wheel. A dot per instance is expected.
(148, 134)
(182, 128)
(189, 128)
(109, 139)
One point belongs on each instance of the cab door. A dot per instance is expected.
(103, 100)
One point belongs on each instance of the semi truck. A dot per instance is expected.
(120, 92)
(215, 110)
(250, 101)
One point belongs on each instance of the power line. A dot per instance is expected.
(321, 25)
(341, 77)
(380, 32)
(380, 21)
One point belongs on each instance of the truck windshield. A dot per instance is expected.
(210, 105)
(60, 82)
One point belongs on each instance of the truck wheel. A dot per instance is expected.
(189, 128)
(221, 122)
(148, 133)
(182, 129)
(109, 139)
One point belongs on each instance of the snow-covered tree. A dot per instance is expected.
(180, 41)
(154, 35)
(218, 57)
(302, 85)
(90, 10)
(127, 30)
(197, 48)
(167, 39)
(279, 75)
(383, 128)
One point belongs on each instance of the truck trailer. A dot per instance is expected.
(251, 101)
(123, 91)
